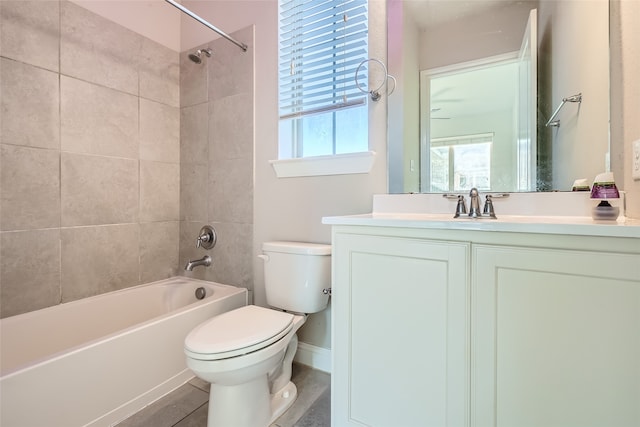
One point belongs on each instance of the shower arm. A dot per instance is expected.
(207, 24)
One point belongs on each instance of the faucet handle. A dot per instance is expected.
(488, 207)
(207, 238)
(461, 207)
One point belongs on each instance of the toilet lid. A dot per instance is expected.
(237, 332)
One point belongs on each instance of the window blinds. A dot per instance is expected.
(322, 42)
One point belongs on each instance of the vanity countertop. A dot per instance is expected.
(572, 225)
(544, 213)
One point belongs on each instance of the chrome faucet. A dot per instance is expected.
(474, 208)
(474, 203)
(205, 261)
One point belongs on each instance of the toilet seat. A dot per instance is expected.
(237, 332)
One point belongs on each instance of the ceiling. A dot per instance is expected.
(428, 13)
(475, 92)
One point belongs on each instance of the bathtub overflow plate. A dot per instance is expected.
(201, 293)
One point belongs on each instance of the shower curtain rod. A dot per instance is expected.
(207, 24)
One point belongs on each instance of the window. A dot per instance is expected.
(461, 163)
(322, 111)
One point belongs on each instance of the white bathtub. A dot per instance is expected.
(97, 360)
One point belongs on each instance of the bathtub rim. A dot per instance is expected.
(32, 364)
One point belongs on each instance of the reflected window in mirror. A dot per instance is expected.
(461, 163)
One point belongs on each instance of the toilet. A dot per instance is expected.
(246, 354)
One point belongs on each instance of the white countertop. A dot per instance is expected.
(572, 225)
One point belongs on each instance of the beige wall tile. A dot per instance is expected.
(231, 69)
(159, 247)
(97, 120)
(159, 73)
(231, 127)
(30, 188)
(30, 105)
(97, 50)
(229, 153)
(159, 132)
(98, 190)
(231, 191)
(30, 32)
(114, 103)
(99, 259)
(29, 270)
(193, 192)
(193, 80)
(194, 131)
(233, 255)
(159, 191)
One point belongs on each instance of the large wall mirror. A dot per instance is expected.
(478, 82)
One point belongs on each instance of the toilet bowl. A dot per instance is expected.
(246, 354)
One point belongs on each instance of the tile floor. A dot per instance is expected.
(187, 406)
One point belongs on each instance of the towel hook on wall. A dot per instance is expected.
(375, 94)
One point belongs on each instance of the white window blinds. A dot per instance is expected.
(322, 42)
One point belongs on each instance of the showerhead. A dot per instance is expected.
(197, 56)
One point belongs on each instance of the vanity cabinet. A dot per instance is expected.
(556, 339)
(400, 331)
(476, 328)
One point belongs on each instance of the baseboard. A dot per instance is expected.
(317, 357)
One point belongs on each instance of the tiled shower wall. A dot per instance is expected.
(89, 158)
(216, 159)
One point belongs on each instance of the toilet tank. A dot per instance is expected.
(295, 273)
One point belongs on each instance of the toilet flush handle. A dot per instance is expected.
(264, 257)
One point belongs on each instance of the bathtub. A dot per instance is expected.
(98, 360)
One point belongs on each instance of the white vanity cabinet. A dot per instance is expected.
(556, 337)
(437, 327)
(400, 331)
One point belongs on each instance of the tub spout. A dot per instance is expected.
(205, 260)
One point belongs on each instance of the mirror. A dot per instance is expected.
(477, 82)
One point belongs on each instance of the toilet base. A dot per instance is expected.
(263, 410)
(282, 400)
(225, 410)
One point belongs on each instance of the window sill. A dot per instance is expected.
(340, 164)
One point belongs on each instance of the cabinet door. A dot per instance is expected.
(400, 332)
(555, 338)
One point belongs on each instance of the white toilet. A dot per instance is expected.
(246, 354)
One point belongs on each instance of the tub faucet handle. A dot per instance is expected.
(207, 238)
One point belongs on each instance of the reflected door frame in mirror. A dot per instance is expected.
(436, 108)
